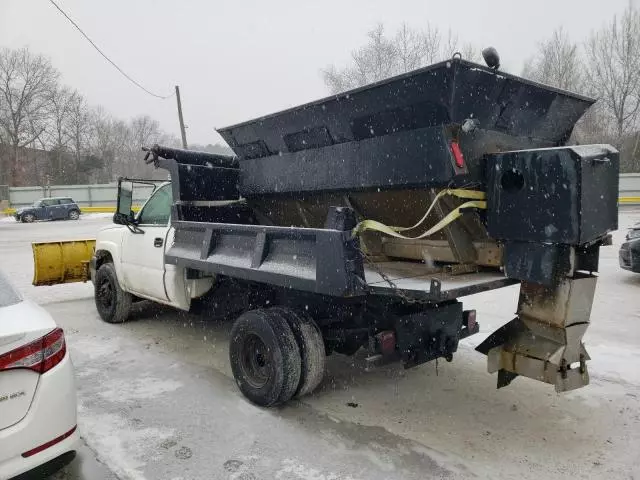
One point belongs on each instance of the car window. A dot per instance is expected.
(158, 209)
(64, 201)
(49, 202)
(8, 294)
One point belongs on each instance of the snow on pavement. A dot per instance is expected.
(158, 400)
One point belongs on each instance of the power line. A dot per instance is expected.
(105, 56)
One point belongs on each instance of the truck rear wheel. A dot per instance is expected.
(311, 346)
(113, 303)
(264, 357)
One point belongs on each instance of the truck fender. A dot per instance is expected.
(109, 251)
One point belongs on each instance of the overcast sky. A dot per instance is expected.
(238, 59)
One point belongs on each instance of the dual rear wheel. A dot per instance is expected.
(276, 354)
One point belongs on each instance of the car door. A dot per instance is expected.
(60, 210)
(45, 212)
(38, 210)
(142, 255)
(57, 209)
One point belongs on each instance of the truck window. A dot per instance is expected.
(158, 209)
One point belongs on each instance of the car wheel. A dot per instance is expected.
(312, 349)
(264, 357)
(28, 218)
(74, 215)
(113, 303)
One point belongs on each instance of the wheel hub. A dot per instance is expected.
(255, 361)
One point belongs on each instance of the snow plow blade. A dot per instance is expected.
(61, 262)
(545, 341)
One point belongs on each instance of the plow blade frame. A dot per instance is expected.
(61, 262)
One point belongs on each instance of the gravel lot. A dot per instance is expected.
(157, 400)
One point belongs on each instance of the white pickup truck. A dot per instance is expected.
(350, 223)
(129, 263)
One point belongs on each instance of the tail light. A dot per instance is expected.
(40, 356)
(457, 154)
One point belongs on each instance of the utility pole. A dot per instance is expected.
(182, 130)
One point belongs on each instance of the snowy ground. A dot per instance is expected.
(157, 400)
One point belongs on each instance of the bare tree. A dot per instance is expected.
(470, 52)
(107, 142)
(58, 133)
(374, 61)
(382, 57)
(557, 63)
(613, 60)
(412, 47)
(26, 81)
(78, 126)
(141, 130)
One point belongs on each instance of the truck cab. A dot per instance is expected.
(131, 255)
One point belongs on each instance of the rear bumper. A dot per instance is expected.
(52, 415)
(629, 256)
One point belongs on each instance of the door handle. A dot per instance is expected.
(157, 242)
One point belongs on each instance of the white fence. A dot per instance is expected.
(100, 195)
(630, 186)
(104, 195)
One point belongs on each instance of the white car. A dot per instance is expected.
(38, 419)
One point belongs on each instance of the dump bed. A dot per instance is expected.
(323, 261)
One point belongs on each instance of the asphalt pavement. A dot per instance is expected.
(157, 399)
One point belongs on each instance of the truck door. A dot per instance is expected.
(143, 253)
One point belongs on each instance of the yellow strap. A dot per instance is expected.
(456, 192)
(452, 216)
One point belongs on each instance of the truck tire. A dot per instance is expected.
(264, 357)
(113, 303)
(311, 346)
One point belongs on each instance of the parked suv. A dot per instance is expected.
(630, 250)
(54, 208)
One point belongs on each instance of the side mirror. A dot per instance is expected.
(124, 214)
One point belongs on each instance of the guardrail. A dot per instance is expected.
(103, 209)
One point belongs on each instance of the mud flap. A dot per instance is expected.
(545, 341)
(61, 262)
